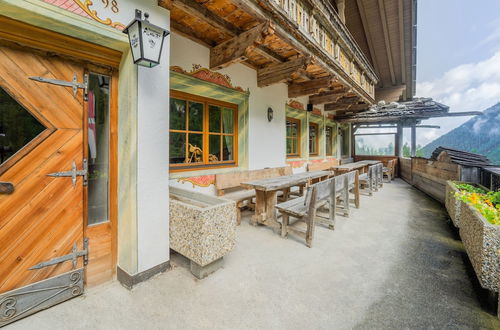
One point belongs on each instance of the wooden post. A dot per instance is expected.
(341, 9)
(413, 139)
(399, 141)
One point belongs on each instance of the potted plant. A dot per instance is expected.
(452, 203)
(480, 233)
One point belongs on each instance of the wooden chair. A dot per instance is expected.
(369, 179)
(380, 175)
(305, 208)
(353, 179)
(389, 170)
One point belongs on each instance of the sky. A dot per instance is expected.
(458, 58)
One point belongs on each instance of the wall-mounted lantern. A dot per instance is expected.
(146, 40)
(270, 114)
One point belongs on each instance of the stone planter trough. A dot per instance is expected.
(481, 240)
(202, 228)
(453, 205)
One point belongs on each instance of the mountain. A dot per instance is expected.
(480, 134)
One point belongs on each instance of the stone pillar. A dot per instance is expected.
(341, 9)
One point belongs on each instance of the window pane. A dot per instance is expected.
(195, 116)
(17, 126)
(312, 139)
(214, 121)
(377, 145)
(328, 136)
(227, 147)
(177, 148)
(345, 141)
(195, 148)
(227, 120)
(289, 143)
(214, 147)
(98, 143)
(177, 114)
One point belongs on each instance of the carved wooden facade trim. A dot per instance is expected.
(207, 75)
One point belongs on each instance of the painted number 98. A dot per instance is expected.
(113, 3)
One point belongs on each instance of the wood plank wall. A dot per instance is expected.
(383, 159)
(429, 176)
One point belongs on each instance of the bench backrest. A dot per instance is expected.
(323, 166)
(234, 179)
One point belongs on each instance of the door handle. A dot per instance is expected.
(6, 188)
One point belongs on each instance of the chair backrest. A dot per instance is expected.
(372, 171)
(351, 177)
(380, 170)
(325, 188)
(310, 198)
(340, 181)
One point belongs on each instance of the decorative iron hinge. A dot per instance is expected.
(74, 84)
(74, 173)
(73, 256)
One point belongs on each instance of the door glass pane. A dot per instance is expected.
(227, 120)
(17, 126)
(195, 148)
(214, 121)
(98, 144)
(214, 142)
(227, 147)
(195, 116)
(177, 114)
(177, 148)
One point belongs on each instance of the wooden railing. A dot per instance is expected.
(320, 23)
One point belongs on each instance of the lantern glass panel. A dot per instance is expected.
(152, 39)
(135, 42)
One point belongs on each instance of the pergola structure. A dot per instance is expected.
(400, 115)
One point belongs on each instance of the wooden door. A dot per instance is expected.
(44, 217)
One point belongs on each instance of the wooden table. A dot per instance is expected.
(266, 191)
(360, 166)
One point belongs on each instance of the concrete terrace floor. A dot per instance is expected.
(394, 264)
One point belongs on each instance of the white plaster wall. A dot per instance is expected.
(152, 155)
(266, 143)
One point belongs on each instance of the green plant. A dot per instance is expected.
(469, 188)
(486, 203)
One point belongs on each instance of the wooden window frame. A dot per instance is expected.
(205, 164)
(327, 127)
(316, 143)
(297, 121)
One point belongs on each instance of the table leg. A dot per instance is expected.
(260, 207)
(265, 210)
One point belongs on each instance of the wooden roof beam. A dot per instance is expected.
(366, 28)
(387, 41)
(402, 42)
(237, 49)
(328, 97)
(201, 12)
(277, 73)
(308, 87)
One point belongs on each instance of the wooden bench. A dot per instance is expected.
(228, 185)
(305, 208)
(323, 166)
